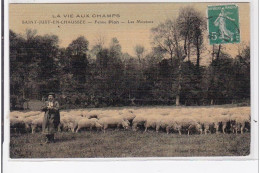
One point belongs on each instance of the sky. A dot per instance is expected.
(90, 18)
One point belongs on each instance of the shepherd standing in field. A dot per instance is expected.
(51, 118)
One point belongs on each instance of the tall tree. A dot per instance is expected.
(115, 48)
(78, 46)
(242, 74)
(166, 36)
(191, 25)
(77, 51)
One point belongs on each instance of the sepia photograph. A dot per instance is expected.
(129, 80)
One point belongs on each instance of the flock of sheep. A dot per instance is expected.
(180, 120)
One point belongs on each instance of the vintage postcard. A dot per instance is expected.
(130, 80)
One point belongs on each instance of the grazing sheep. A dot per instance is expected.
(173, 126)
(28, 122)
(138, 121)
(162, 124)
(210, 126)
(37, 124)
(64, 125)
(66, 122)
(88, 123)
(62, 122)
(17, 125)
(238, 123)
(222, 121)
(113, 122)
(187, 124)
(203, 120)
(129, 117)
(73, 124)
(207, 124)
(153, 121)
(29, 118)
(168, 123)
(23, 120)
(150, 123)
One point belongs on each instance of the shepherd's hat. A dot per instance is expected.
(52, 93)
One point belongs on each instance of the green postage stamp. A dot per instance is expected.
(223, 24)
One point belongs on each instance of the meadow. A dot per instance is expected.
(93, 144)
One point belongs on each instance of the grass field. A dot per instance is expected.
(128, 144)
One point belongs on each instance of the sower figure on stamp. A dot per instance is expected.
(51, 118)
(221, 23)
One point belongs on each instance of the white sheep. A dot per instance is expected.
(17, 124)
(222, 120)
(73, 123)
(113, 122)
(151, 123)
(168, 123)
(88, 123)
(37, 124)
(187, 123)
(66, 122)
(238, 123)
(28, 122)
(129, 116)
(206, 123)
(138, 121)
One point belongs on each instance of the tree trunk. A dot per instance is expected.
(27, 104)
(188, 51)
(180, 73)
(185, 45)
(129, 95)
(219, 49)
(171, 58)
(213, 52)
(24, 92)
(178, 100)
(198, 53)
(178, 94)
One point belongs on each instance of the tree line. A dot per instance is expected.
(103, 76)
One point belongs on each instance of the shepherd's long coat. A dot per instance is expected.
(51, 118)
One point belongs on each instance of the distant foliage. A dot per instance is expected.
(105, 76)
